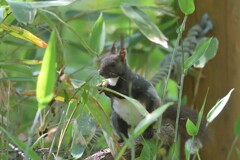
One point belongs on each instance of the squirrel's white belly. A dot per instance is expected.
(127, 111)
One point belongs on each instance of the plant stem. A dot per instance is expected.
(181, 81)
(32, 132)
(232, 146)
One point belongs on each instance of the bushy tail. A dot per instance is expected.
(185, 113)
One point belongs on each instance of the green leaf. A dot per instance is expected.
(218, 107)
(210, 53)
(47, 76)
(99, 115)
(25, 12)
(201, 50)
(98, 35)
(237, 127)
(21, 145)
(192, 130)
(149, 150)
(149, 119)
(187, 6)
(200, 115)
(145, 25)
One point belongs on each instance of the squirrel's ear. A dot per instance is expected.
(122, 54)
(113, 49)
(123, 51)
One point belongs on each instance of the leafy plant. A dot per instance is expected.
(49, 97)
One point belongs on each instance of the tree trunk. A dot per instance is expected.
(221, 74)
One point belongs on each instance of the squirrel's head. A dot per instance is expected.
(114, 64)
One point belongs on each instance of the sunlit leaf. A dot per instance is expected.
(98, 35)
(25, 12)
(149, 119)
(209, 54)
(145, 25)
(237, 127)
(21, 145)
(47, 76)
(187, 6)
(201, 50)
(191, 128)
(23, 34)
(139, 107)
(218, 107)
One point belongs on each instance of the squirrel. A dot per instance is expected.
(122, 79)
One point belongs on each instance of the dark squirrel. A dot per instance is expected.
(122, 79)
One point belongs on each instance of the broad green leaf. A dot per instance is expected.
(145, 25)
(98, 35)
(192, 130)
(218, 107)
(201, 50)
(25, 12)
(237, 127)
(21, 145)
(210, 53)
(149, 119)
(23, 34)
(187, 6)
(47, 76)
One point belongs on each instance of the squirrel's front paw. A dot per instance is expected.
(101, 84)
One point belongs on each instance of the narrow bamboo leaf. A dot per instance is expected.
(98, 35)
(187, 6)
(145, 25)
(139, 107)
(201, 50)
(16, 69)
(218, 107)
(149, 119)
(47, 76)
(23, 34)
(200, 115)
(191, 128)
(237, 127)
(99, 115)
(21, 145)
(37, 142)
(209, 54)
(25, 12)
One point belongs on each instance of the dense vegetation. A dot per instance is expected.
(49, 59)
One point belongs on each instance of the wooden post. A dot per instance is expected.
(221, 74)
